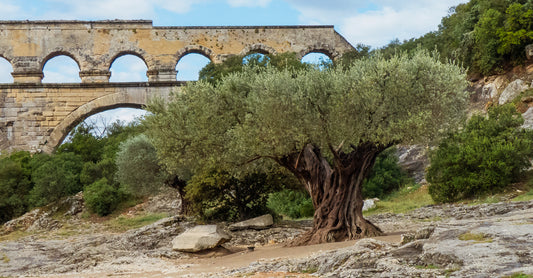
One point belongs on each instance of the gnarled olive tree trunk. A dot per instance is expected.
(336, 191)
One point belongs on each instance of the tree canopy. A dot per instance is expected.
(270, 113)
(485, 35)
(326, 127)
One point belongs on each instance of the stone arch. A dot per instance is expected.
(56, 53)
(9, 78)
(258, 48)
(138, 53)
(136, 99)
(198, 49)
(323, 48)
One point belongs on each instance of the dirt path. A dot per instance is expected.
(204, 264)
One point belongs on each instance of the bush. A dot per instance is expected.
(385, 177)
(292, 203)
(15, 185)
(217, 195)
(137, 167)
(484, 157)
(55, 177)
(101, 198)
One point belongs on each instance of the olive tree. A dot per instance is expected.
(325, 127)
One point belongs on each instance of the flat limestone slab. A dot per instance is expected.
(258, 223)
(200, 238)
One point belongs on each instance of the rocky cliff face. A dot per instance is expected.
(485, 92)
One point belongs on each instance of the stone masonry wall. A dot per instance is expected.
(37, 118)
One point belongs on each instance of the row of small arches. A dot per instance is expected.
(127, 68)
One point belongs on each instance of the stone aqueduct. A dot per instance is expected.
(37, 117)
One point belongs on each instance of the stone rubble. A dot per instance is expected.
(431, 247)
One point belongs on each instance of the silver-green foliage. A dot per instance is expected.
(270, 113)
(137, 166)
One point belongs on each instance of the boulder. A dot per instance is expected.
(200, 238)
(258, 223)
(489, 91)
(528, 119)
(414, 160)
(512, 90)
(369, 203)
(529, 51)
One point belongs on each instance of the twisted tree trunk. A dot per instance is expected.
(336, 191)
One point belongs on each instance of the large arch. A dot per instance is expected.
(135, 99)
(64, 74)
(189, 66)
(198, 49)
(136, 52)
(56, 53)
(125, 54)
(320, 48)
(6, 68)
(258, 48)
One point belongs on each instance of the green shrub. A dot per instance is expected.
(486, 156)
(101, 198)
(15, 185)
(385, 177)
(292, 203)
(55, 176)
(138, 169)
(217, 195)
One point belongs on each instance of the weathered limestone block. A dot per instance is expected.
(258, 223)
(200, 238)
(513, 90)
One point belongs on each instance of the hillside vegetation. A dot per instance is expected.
(486, 36)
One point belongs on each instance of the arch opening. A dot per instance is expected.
(128, 68)
(256, 58)
(102, 120)
(5, 71)
(189, 66)
(61, 69)
(317, 59)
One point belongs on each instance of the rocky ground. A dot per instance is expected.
(489, 240)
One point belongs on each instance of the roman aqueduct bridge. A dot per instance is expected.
(37, 117)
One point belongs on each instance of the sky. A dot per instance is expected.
(374, 23)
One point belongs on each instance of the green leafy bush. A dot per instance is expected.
(101, 198)
(217, 195)
(486, 156)
(292, 203)
(385, 177)
(55, 176)
(15, 185)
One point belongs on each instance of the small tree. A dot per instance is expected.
(325, 127)
(137, 167)
(484, 157)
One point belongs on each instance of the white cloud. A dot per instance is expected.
(377, 28)
(114, 9)
(376, 22)
(249, 3)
